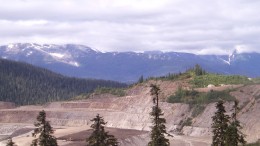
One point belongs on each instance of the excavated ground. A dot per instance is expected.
(128, 117)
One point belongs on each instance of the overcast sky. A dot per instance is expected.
(195, 26)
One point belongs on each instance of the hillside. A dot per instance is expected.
(188, 118)
(82, 61)
(22, 84)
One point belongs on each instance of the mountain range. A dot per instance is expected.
(84, 62)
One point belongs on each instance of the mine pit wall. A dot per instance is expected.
(138, 118)
(132, 112)
(130, 118)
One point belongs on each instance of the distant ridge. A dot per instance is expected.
(23, 84)
(82, 61)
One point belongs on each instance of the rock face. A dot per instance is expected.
(132, 112)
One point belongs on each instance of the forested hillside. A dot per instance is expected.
(23, 84)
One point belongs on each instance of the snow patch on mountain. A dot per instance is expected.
(225, 61)
(12, 49)
(66, 54)
(58, 55)
(29, 53)
(231, 57)
(76, 64)
(10, 46)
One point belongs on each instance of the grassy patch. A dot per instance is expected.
(253, 144)
(205, 80)
(114, 91)
(172, 77)
(256, 80)
(197, 110)
(80, 97)
(103, 90)
(196, 71)
(194, 97)
(186, 122)
(183, 96)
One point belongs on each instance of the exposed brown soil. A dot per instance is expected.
(6, 105)
(121, 134)
(128, 117)
(118, 133)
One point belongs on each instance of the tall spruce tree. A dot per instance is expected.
(141, 79)
(198, 70)
(234, 134)
(99, 136)
(219, 125)
(10, 142)
(45, 132)
(158, 128)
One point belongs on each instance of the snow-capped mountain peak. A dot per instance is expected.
(68, 54)
(82, 61)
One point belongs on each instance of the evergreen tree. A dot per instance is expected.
(199, 71)
(220, 125)
(141, 79)
(34, 142)
(10, 142)
(158, 129)
(45, 132)
(99, 136)
(234, 134)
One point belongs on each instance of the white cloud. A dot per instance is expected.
(201, 26)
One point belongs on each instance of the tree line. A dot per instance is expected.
(25, 84)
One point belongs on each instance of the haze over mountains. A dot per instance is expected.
(82, 61)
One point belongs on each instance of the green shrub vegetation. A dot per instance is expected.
(197, 110)
(80, 97)
(194, 97)
(176, 76)
(215, 79)
(192, 72)
(114, 91)
(256, 80)
(186, 122)
(183, 96)
(253, 144)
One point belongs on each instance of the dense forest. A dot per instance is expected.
(24, 84)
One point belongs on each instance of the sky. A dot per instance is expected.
(194, 26)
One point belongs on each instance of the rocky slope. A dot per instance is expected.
(132, 112)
